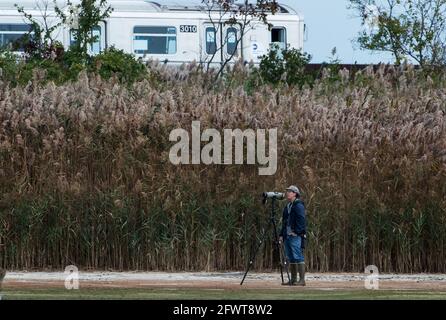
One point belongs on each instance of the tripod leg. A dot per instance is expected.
(283, 260)
(252, 258)
(272, 222)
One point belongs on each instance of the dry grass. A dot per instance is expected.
(85, 177)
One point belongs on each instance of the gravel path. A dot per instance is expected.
(213, 277)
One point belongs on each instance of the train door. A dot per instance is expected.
(279, 38)
(221, 42)
(99, 32)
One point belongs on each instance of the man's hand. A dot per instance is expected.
(280, 239)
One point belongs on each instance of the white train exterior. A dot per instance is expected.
(173, 33)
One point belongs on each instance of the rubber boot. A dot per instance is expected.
(293, 279)
(301, 269)
(293, 274)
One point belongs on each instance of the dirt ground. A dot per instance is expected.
(229, 280)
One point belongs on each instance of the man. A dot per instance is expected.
(293, 234)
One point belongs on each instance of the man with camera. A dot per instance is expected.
(293, 235)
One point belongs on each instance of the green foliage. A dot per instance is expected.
(332, 67)
(83, 17)
(111, 62)
(114, 62)
(285, 66)
(46, 60)
(8, 66)
(39, 42)
(17, 71)
(409, 29)
(44, 70)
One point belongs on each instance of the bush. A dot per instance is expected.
(45, 70)
(285, 66)
(114, 62)
(68, 66)
(8, 66)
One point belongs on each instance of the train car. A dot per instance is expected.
(171, 32)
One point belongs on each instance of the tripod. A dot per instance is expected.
(272, 223)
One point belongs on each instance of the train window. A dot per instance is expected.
(12, 34)
(278, 37)
(95, 47)
(211, 41)
(155, 40)
(231, 41)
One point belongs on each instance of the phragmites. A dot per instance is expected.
(85, 173)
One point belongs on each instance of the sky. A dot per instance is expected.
(330, 24)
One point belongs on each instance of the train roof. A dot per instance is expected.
(133, 5)
(198, 5)
(121, 5)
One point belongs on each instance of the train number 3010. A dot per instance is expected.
(188, 28)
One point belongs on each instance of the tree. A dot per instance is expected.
(407, 28)
(241, 17)
(82, 18)
(39, 43)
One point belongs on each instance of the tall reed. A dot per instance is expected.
(85, 177)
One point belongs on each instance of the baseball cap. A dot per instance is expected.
(293, 189)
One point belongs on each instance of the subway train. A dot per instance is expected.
(171, 32)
